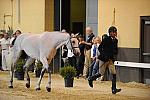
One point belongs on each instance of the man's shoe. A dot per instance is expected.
(92, 78)
(90, 82)
(114, 91)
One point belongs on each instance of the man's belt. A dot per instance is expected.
(3, 49)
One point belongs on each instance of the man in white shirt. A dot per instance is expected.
(5, 43)
(71, 58)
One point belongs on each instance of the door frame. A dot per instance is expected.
(142, 20)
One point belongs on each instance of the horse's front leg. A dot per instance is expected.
(45, 65)
(26, 68)
(40, 79)
(52, 54)
(48, 87)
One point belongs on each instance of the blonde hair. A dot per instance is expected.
(98, 39)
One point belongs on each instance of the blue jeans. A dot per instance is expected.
(91, 67)
(95, 68)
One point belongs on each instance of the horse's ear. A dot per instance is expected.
(77, 34)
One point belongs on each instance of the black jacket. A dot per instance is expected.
(108, 49)
(89, 40)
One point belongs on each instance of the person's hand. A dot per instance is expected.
(83, 42)
(93, 58)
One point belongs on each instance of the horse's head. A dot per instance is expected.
(73, 44)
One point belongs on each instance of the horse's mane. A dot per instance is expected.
(43, 33)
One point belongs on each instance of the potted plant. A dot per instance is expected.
(19, 69)
(38, 69)
(68, 73)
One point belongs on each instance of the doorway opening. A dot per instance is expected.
(73, 16)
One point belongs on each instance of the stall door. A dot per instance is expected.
(145, 47)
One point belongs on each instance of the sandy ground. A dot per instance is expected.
(80, 91)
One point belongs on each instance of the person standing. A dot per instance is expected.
(81, 58)
(15, 35)
(5, 43)
(108, 49)
(96, 65)
(71, 57)
(88, 46)
(93, 56)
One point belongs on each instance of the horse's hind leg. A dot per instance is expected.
(14, 59)
(26, 67)
(11, 76)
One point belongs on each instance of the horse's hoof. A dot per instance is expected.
(27, 85)
(48, 89)
(10, 87)
(37, 89)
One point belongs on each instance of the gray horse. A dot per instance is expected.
(41, 47)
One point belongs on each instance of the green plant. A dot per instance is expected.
(39, 65)
(68, 72)
(19, 65)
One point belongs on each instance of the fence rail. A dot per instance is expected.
(132, 64)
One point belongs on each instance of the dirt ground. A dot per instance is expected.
(80, 91)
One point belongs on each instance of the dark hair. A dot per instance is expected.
(2, 35)
(112, 29)
(80, 36)
(18, 31)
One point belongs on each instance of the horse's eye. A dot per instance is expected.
(73, 41)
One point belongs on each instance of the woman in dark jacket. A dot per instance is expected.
(81, 59)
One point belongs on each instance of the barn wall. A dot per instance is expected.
(49, 15)
(36, 16)
(5, 8)
(128, 14)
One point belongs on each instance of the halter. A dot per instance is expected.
(73, 48)
(71, 42)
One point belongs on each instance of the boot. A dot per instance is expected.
(92, 78)
(114, 89)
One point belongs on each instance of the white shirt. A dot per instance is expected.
(5, 43)
(70, 53)
(92, 50)
(97, 51)
(11, 40)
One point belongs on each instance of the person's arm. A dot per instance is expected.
(86, 43)
(100, 47)
(116, 47)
